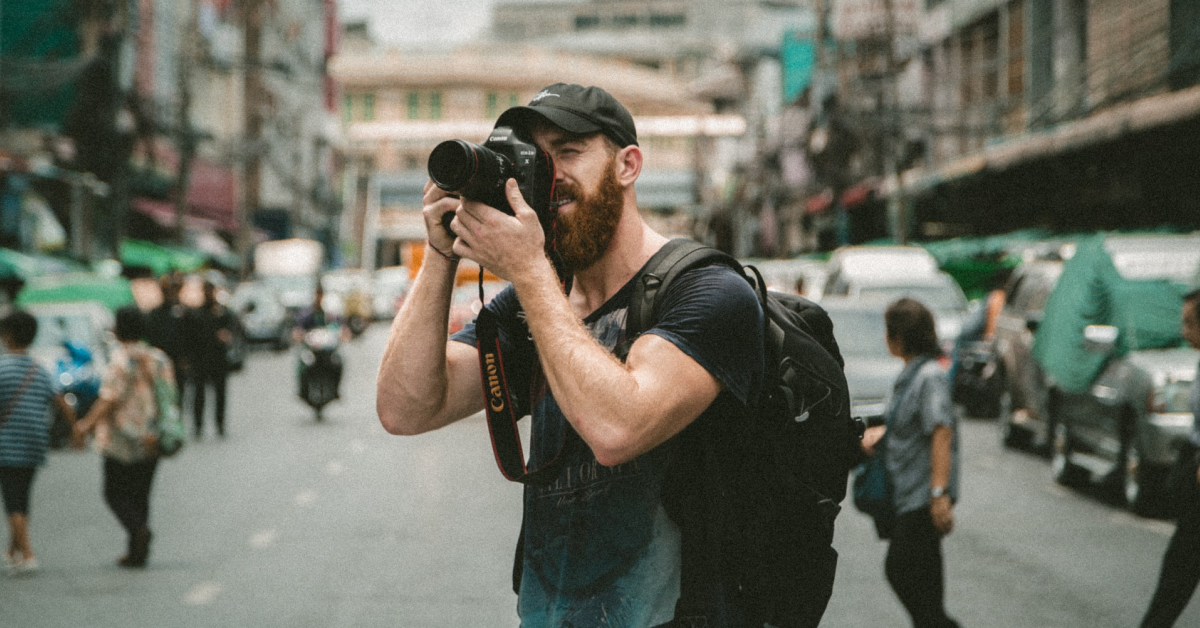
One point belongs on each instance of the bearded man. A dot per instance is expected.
(598, 547)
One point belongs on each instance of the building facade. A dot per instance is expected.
(396, 107)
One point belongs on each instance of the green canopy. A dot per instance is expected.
(160, 259)
(113, 292)
(1092, 292)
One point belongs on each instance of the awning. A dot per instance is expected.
(113, 292)
(160, 259)
(163, 213)
(818, 203)
(1105, 126)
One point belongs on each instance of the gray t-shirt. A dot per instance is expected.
(920, 402)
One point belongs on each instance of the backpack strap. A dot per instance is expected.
(650, 284)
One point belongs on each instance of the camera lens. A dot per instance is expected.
(453, 164)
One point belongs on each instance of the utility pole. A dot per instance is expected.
(185, 135)
(892, 130)
(252, 15)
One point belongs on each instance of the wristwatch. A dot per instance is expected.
(936, 491)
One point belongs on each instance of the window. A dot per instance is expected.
(667, 20)
(435, 106)
(348, 108)
(625, 21)
(586, 22)
(368, 107)
(414, 105)
(493, 104)
(513, 100)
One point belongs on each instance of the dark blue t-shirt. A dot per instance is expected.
(599, 548)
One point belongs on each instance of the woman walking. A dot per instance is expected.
(922, 461)
(122, 421)
(26, 392)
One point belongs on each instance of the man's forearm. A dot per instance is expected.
(940, 456)
(412, 385)
(620, 410)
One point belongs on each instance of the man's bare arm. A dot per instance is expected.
(620, 410)
(425, 381)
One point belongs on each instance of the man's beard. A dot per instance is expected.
(586, 232)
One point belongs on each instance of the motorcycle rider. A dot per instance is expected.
(315, 317)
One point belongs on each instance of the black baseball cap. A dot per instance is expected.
(576, 109)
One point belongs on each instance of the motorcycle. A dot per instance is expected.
(320, 367)
(79, 377)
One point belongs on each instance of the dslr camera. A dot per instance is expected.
(480, 172)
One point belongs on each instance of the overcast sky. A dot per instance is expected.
(409, 23)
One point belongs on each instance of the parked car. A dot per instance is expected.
(1126, 426)
(937, 291)
(391, 286)
(876, 263)
(805, 277)
(870, 369)
(1022, 412)
(264, 318)
(348, 294)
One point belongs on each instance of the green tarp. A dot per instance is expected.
(1092, 292)
(113, 292)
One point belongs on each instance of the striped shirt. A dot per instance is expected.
(25, 435)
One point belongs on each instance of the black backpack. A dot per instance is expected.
(763, 518)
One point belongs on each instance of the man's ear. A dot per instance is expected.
(629, 165)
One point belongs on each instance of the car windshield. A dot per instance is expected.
(939, 298)
(859, 332)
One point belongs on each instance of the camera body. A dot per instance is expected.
(479, 172)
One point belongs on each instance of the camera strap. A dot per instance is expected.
(502, 414)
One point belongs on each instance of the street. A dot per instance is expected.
(289, 522)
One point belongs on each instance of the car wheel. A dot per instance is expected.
(1141, 483)
(1062, 469)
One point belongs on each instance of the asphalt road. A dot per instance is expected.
(292, 523)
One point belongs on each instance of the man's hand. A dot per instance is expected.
(436, 203)
(942, 512)
(509, 246)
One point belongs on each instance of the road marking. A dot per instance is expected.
(334, 468)
(202, 594)
(304, 498)
(264, 538)
(358, 446)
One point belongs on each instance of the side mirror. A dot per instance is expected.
(1100, 338)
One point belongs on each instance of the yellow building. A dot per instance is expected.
(397, 106)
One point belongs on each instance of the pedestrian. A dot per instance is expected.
(121, 420)
(1181, 563)
(922, 462)
(211, 329)
(26, 394)
(166, 326)
(598, 547)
